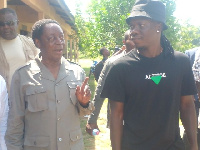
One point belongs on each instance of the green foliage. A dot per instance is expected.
(189, 37)
(106, 25)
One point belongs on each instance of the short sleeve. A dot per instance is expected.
(114, 88)
(188, 83)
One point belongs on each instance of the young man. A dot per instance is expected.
(146, 101)
(98, 102)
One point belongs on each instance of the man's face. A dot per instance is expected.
(143, 32)
(8, 26)
(106, 53)
(51, 42)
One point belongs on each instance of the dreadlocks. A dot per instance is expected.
(167, 48)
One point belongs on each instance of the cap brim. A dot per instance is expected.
(141, 14)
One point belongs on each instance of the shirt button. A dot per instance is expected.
(58, 101)
(77, 137)
(60, 139)
(58, 119)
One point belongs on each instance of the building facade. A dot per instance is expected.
(30, 11)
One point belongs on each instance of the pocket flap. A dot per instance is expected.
(72, 90)
(75, 135)
(35, 89)
(73, 84)
(36, 141)
(36, 98)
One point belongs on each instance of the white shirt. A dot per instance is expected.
(13, 48)
(3, 112)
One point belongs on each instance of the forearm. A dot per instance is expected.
(116, 126)
(116, 130)
(189, 120)
(97, 104)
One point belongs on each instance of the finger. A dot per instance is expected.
(77, 90)
(85, 82)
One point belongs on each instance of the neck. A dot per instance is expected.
(150, 51)
(53, 67)
(105, 57)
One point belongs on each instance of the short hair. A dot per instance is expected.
(38, 27)
(126, 35)
(101, 50)
(4, 11)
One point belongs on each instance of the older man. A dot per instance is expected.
(15, 49)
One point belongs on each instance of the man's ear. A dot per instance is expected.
(37, 43)
(123, 41)
(159, 27)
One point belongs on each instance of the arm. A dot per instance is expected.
(198, 88)
(3, 98)
(98, 101)
(3, 111)
(15, 129)
(188, 117)
(116, 124)
(83, 95)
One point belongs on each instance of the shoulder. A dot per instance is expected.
(72, 65)
(125, 59)
(24, 38)
(179, 55)
(30, 65)
(192, 51)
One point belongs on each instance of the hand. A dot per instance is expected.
(90, 126)
(123, 47)
(83, 93)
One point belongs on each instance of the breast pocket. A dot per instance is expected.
(72, 90)
(36, 97)
(36, 143)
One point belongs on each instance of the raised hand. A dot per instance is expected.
(83, 93)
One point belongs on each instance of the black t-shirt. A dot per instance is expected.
(150, 89)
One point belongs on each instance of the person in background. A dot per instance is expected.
(192, 54)
(105, 53)
(146, 102)
(3, 112)
(98, 101)
(196, 70)
(47, 98)
(15, 49)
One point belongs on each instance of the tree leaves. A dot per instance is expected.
(106, 25)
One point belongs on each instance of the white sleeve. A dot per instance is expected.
(196, 67)
(3, 112)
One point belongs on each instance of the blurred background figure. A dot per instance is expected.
(98, 101)
(15, 49)
(105, 53)
(3, 112)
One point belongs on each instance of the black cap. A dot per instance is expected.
(152, 9)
